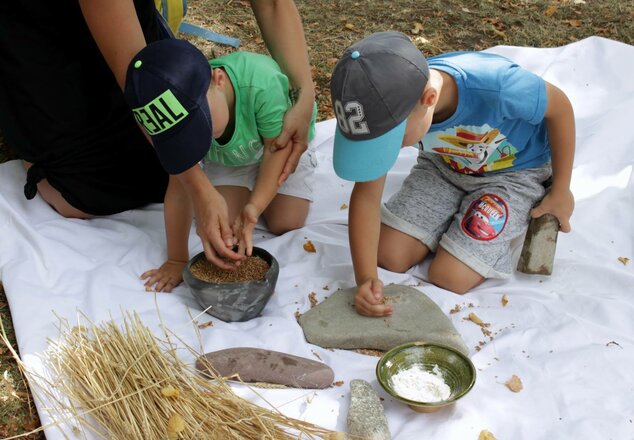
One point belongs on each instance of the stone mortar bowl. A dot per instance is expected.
(237, 301)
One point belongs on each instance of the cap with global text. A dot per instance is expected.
(374, 87)
(166, 87)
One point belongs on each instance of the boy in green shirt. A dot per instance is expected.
(245, 99)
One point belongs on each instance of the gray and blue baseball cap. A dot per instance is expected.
(166, 87)
(374, 87)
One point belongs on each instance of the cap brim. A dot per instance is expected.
(184, 148)
(366, 160)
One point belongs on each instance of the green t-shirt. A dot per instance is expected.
(262, 99)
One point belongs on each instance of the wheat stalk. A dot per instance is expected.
(123, 383)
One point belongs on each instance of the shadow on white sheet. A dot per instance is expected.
(569, 337)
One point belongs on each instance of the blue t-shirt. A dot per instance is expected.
(499, 121)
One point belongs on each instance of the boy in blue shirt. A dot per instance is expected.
(490, 134)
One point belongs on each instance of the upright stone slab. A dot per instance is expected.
(366, 419)
(334, 323)
(540, 244)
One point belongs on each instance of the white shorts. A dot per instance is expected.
(299, 184)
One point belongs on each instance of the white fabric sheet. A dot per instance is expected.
(569, 337)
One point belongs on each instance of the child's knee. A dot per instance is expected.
(286, 214)
(455, 277)
(398, 252)
(393, 262)
(451, 283)
(279, 226)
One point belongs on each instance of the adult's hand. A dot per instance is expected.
(294, 135)
(212, 219)
(212, 226)
(281, 27)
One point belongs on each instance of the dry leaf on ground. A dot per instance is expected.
(624, 260)
(474, 318)
(309, 247)
(420, 40)
(550, 11)
(514, 384)
(417, 28)
(486, 435)
(505, 300)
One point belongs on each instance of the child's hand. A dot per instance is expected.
(369, 299)
(166, 277)
(560, 204)
(243, 228)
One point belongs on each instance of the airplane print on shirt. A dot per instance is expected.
(470, 149)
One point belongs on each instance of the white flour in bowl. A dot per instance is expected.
(414, 383)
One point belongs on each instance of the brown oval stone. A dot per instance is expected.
(267, 366)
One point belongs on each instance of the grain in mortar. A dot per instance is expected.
(252, 269)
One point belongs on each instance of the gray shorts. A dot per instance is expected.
(299, 184)
(474, 218)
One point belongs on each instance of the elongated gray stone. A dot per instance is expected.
(540, 243)
(334, 323)
(366, 418)
(267, 366)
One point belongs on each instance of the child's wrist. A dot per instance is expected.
(257, 205)
(562, 189)
(363, 279)
(560, 185)
(302, 97)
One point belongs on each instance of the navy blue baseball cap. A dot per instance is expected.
(166, 87)
(374, 87)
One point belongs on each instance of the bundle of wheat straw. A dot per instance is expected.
(123, 385)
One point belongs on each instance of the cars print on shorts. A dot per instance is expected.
(486, 217)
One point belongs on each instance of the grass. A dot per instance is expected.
(435, 26)
(17, 412)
